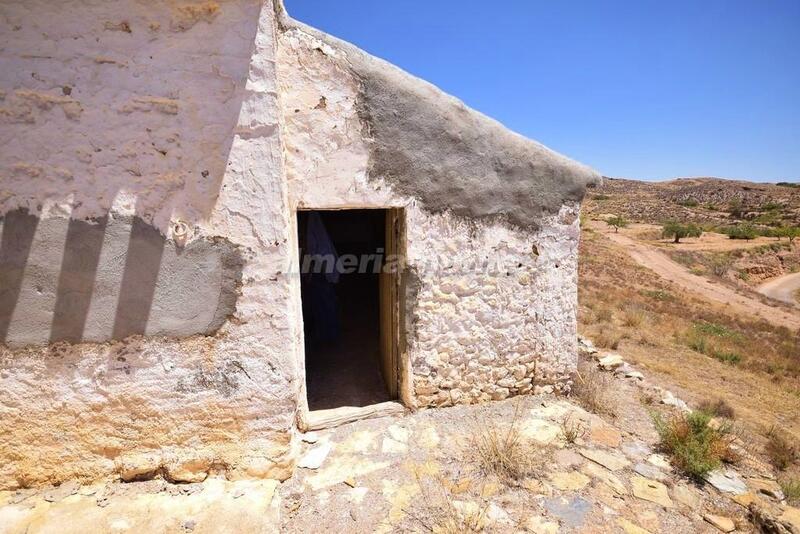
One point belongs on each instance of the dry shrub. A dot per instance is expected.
(572, 430)
(607, 340)
(648, 398)
(718, 408)
(780, 449)
(440, 512)
(501, 451)
(633, 316)
(603, 315)
(593, 390)
(695, 446)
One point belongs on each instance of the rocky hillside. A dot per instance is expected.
(702, 200)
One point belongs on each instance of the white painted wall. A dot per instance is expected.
(167, 109)
(477, 336)
(202, 112)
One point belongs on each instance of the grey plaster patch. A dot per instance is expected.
(431, 146)
(73, 280)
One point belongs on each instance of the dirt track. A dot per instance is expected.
(782, 288)
(662, 265)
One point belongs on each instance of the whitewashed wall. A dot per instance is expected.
(205, 113)
(165, 109)
(477, 336)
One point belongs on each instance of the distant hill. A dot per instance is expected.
(702, 200)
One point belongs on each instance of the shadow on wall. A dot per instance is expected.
(142, 109)
(69, 280)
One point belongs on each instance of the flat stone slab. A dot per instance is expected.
(569, 481)
(571, 512)
(651, 490)
(609, 460)
(727, 481)
(313, 459)
(650, 471)
(611, 361)
(607, 477)
(722, 523)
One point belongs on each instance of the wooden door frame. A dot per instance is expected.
(399, 384)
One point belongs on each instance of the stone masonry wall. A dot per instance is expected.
(164, 110)
(472, 335)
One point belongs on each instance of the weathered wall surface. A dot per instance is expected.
(164, 110)
(74, 280)
(473, 335)
(130, 120)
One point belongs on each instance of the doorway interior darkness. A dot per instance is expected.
(346, 301)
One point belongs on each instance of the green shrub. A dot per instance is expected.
(697, 343)
(717, 330)
(789, 232)
(695, 447)
(726, 356)
(688, 203)
(791, 490)
(741, 231)
(770, 206)
(736, 208)
(600, 197)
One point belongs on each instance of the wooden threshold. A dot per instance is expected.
(333, 417)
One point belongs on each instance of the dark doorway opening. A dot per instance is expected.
(343, 292)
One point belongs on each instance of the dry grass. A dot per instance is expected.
(440, 511)
(603, 315)
(501, 451)
(633, 316)
(717, 408)
(607, 339)
(781, 449)
(791, 490)
(572, 430)
(752, 365)
(592, 388)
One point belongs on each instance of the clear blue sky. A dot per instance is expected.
(647, 89)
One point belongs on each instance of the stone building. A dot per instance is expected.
(163, 164)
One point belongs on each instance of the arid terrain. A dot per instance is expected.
(715, 317)
(684, 415)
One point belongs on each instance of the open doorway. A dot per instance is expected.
(349, 306)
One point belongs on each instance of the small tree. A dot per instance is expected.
(789, 232)
(617, 222)
(678, 231)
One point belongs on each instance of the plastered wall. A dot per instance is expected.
(474, 334)
(160, 112)
(165, 146)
